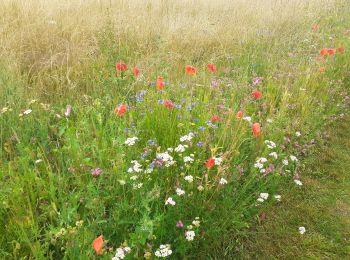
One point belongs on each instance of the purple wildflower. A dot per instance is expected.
(257, 80)
(200, 144)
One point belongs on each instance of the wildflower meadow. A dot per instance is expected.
(160, 129)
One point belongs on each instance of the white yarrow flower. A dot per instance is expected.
(166, 158)
(298, 182)
(180, 192)
(247, 118)
(264, 195)
(170, 201)
(274, 155)
(190, 235)
(223, 181)
(188, 159)
(163, 251)
(270, 144)
(121, 253)
(180, 148)
(217, 160)
(187, 137)
(302, 230)
(278, 197)
(200, 188)
(28, 111)
(189, 178)
(293, 158)
(131, 141)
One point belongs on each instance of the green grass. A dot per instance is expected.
(322, 205)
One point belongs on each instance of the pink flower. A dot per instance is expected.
(96, 172)
(179, 224)
(68, 111)
(257, 80)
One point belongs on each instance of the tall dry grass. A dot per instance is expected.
(41, 35)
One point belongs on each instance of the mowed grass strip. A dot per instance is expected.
(322, 206)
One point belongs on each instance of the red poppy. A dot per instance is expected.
(215, 119)
(98, 245)
(239, 115)
(324, 52)
(211, 67)
(121, 66)
(135, 71)
(257, 94)
(168, 104)
(121, 109)
(190, 70)
(160, 83)
(256, 129)
(210, 163)
(314, 28)
(331, 51)
(322, 69)
(341, 50)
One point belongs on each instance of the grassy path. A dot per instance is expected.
(322, 206)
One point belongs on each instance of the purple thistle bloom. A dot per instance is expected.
(160, 101)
